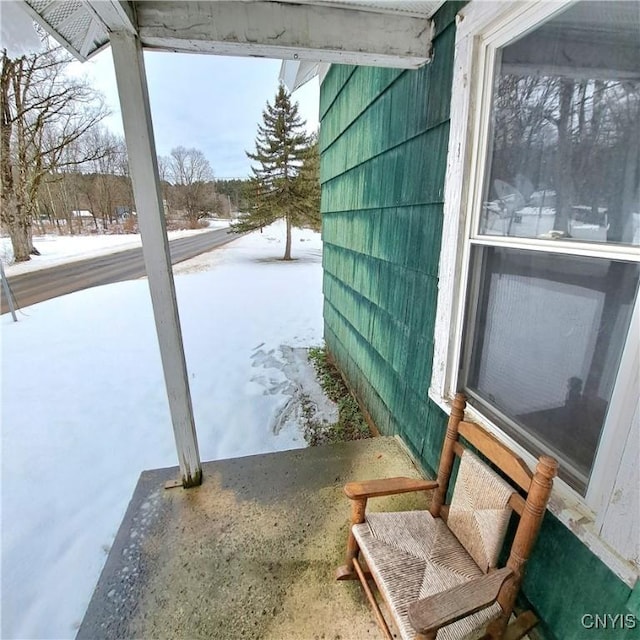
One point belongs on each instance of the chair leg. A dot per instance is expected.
(516, 630)
(346, 571)
(496, 628)
(372, 601)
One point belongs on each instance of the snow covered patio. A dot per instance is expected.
(249, 553)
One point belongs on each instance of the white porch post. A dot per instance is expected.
(138, 130)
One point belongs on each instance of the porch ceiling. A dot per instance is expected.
(349, 31)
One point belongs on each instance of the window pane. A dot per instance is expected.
(546, 340)
(564, 160)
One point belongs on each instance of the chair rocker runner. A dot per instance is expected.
(436, 569)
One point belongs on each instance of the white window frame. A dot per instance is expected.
(483, 27)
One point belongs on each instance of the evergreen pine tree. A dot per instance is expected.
(309, 176)
(285, 176)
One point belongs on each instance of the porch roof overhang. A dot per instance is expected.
(363, 32)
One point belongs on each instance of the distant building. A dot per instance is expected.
(82, 214)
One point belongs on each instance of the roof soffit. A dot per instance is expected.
(348, 31)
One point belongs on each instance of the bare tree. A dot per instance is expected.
(192, 177)
(164, 171)
(102, 189)
(101, 185)
(45, 113)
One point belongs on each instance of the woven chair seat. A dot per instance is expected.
(413, 555)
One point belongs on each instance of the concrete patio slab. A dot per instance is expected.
(249, 554)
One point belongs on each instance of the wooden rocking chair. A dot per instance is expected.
(436, 569)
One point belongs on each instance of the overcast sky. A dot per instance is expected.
(213, 103)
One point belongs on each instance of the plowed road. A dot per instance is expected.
(36, 286)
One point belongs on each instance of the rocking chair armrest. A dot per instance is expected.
(436, 611)
(386, 487)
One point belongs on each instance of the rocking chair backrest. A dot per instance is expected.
(479, 512)
(537, 488)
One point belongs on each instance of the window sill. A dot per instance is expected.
(565, 504)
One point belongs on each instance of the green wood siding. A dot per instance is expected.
(383, 139)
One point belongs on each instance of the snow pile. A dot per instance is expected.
(84, 409)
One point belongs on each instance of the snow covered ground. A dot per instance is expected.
(56, 249)
(84, 409)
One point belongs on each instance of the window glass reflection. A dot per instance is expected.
(565, 131)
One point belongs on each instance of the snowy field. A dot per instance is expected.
(84, 409)
(56, 249)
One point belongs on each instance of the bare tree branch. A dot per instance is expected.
(44, 113)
